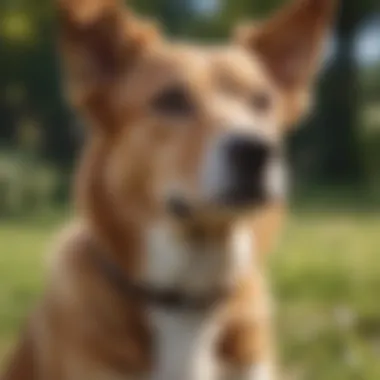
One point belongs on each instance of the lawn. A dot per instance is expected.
(326, 276)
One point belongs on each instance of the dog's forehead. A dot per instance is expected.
(202, 62)
(200, 67)
(239, 64)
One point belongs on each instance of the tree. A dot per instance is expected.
(338, 137)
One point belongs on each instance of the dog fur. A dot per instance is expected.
(137, 157)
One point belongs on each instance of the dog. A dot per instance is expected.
(180, 194)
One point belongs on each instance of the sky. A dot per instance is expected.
(206, 7)
(368, 42)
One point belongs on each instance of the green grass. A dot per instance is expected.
(327, 281)
(326, 276)
(22, 250)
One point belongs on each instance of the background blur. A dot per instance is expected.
(327, 271)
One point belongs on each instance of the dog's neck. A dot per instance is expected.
(197, 265)
(195, 261)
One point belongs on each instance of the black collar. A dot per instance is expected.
(174, 300)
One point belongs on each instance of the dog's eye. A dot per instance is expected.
(261, 101)
(174, 101)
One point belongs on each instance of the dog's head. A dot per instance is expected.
(192, 129)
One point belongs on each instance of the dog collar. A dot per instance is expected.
(164, 299)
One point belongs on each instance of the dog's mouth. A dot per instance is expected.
(234, 202)
(179, 207)
(245, 197)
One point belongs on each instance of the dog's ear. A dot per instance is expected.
(290, 45)
(99, 40)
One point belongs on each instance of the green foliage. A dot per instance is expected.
(26, 185)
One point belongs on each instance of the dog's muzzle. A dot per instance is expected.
(239, 172)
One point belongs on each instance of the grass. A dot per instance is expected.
(326, 277)
(22, 250)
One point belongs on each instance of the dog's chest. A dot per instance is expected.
(186, 345)
(184, 349)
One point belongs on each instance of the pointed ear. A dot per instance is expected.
(290, 45)
(99, 39)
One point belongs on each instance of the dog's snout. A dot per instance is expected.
(246, 153)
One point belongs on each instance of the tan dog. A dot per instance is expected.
(180, 192)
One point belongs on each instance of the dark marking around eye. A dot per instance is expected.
(261, 101)
(174, 101)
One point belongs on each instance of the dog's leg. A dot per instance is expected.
(247, 349)
(248, 354)
(257, 366)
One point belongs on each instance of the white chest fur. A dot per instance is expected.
(185, 346)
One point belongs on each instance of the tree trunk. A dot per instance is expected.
(339, 116)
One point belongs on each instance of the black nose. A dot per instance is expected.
(248, 154)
